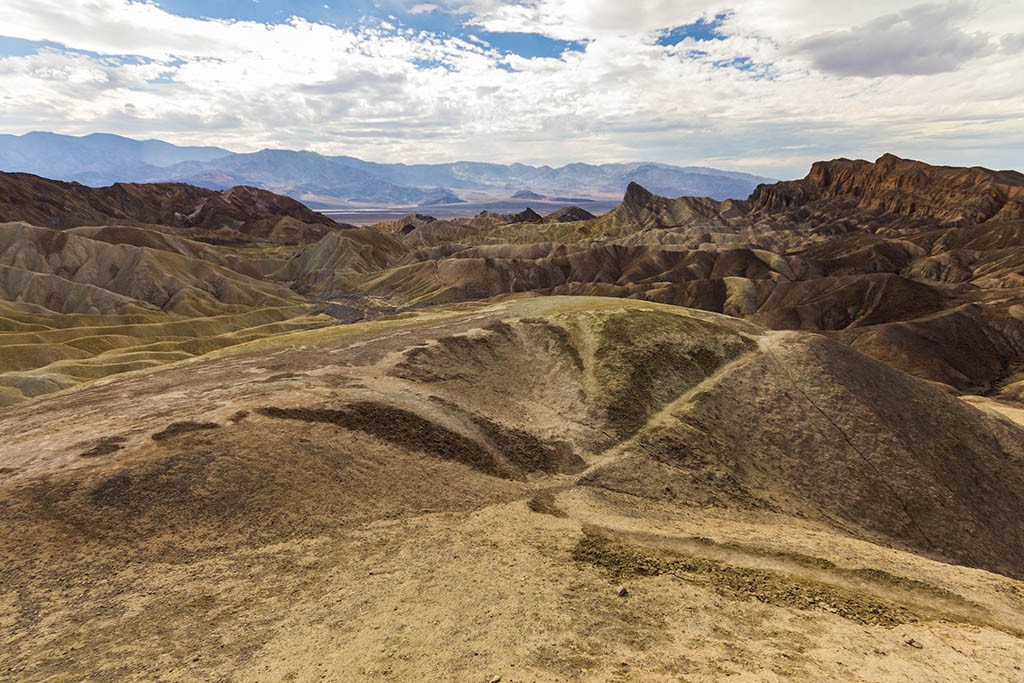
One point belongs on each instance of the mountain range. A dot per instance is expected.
(339, 181)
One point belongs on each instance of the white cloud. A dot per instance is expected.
(1013, 42)
(771, 97)
(921, 40)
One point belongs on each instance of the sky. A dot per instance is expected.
(762, 86)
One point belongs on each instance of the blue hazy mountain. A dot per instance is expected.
(303, 175)
(103, 159)
(98, 159)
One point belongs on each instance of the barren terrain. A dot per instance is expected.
(685, 440)
(262, 513)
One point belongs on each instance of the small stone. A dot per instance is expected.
(622, 592)
(496, 679)
(913, 643)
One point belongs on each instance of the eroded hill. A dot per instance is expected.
(461, 493)
(874, 255)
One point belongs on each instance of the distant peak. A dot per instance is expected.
(889, 159)
(527, 194)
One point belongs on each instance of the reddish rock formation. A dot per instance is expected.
(241, 212)
(891, 189)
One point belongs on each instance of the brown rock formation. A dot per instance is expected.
(895, 191)
(240, 212)
(569, 214)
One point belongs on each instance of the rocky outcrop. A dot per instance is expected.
(645, 210)
(895, 191)
(404, 225)
(333, 266)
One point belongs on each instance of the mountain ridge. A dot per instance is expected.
(240, 212)
(343, 180)
(890, 187)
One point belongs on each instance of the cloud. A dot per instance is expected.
(746, 100)
(1012, 42)
(574, 20)
(922, 40)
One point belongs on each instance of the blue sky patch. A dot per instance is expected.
(701, 30)
(741, 63)
(748, 65)
(430, 64)
(350, 14)
(340, 12)
(529, 44)
(16, 47)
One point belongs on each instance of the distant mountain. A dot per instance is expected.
(98, 159)
(527, 194)
(442, 196)
(304, 175)
(572, 180)
(102, 159)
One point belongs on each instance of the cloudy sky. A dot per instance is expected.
(765, 86)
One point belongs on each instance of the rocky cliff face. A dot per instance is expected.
(893, 190)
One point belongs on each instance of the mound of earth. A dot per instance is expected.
(525, 216)
(569, 214)
(404, 225)
(547, 488)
